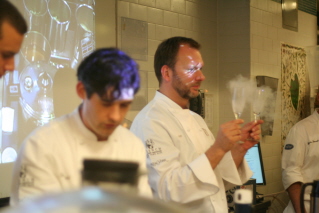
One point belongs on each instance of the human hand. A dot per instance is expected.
(251, 134)
(228, 134)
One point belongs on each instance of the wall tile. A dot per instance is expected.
(276, 149)
(192, 34)
(272, 7)
(274, 187)
(257, 42)
(262, 4)
(309, 26)
(263, 56)
(210, 29)
(150, 3)
(163, 32)
(133, 1)
(267, 18)
(192, 9)
(235, 55)
(163, 4)
(235, 28)
(185, 22)
(138, 12)
(233, 4)
(151, 31)
(253, 55)
(123, 9)
(155, 16)
(277, 21)
(255, 14)
(266, 150)
(254, 27)
(196, 24)
(272, 32)
(208, 11)
(254, 3)
(268, 68)
(234, 41)
(267, 162)
(145, 65)
(152, 80)
(170, 19)
(276, 46)
(152, 46)
(261, 29)
(178, 6)
(267, 44)
(178, 32)
(269, 176)
(273, 58)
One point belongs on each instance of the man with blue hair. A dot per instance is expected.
(51, 157)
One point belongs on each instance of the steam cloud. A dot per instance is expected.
(265, 104)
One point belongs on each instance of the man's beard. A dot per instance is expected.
(182, 89)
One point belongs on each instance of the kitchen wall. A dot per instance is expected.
(238, 37)
(167, 18)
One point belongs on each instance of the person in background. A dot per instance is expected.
(300, 159)
(50, 159)
(186, 163)
(12, 29)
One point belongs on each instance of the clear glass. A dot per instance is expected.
(238, 101)
(258, 103)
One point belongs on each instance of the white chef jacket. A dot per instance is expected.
(301, 155)
(51, 157)
(179, 171)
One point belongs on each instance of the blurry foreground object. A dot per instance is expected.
(110, 175)
(93, 199)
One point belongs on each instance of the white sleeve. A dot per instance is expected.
(33, 172)
(232, 175)
(170, 180)
(293, 157)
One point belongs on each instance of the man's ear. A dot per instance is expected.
(80, 90)
(166, 73)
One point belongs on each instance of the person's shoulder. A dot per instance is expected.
(310, 120)
(306, 125)
(124, 135)
(153, 110)
(53, 127)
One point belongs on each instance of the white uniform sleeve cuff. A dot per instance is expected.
(203, 170)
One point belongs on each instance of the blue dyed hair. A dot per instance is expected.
(108, 68)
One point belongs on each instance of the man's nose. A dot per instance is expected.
(200, 76)
(9, 64)
(115, 113)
